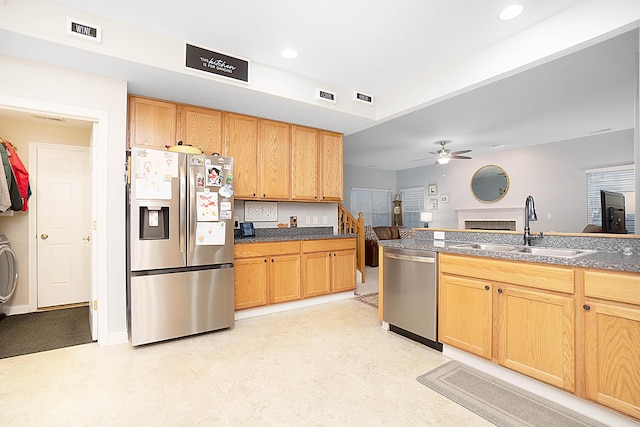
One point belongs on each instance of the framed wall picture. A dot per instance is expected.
(433, 189)
(444, 198)
(433, 204)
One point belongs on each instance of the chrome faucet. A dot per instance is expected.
(529, 215)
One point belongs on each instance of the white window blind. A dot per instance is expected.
(620, 180)
(412, 205)
(375, 205)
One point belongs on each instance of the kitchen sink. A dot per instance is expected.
(552, 252)
(487, 247)
(555, 252)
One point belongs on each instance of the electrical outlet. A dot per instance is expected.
(315, 220)
(548, 216)
(307, 220)
(236, 222)
(324, 219)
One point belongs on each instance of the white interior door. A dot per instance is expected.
(90, 261)
(63, 191)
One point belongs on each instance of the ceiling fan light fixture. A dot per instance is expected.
(443, 160)
(511, 12)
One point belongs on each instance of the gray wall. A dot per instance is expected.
(359, 177)
(553, 173)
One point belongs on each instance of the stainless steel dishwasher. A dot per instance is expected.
(410, 286)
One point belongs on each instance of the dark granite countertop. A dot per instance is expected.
(601, 259)
(241, 240)
(291, 234)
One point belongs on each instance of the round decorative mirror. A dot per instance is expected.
(489, 184)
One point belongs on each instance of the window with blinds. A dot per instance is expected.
(620, 180)
(412, 205)
(374, 204)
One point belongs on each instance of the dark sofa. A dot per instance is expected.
(372, 235)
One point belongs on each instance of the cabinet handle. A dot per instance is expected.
(499, 290)
(486, 287)
(587, 307)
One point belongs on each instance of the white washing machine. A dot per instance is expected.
(8, 274)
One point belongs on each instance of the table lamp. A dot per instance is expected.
(426, 217)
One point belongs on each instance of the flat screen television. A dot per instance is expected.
(612, 208)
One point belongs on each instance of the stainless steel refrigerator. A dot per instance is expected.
(180, 244)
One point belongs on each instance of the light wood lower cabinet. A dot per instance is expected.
(275, 272)
(536, 334)
(612, 340)
(465, 320)
(530, 329)
(329, 266)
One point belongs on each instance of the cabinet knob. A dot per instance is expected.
(271, 259)
(499, 290)
(264, 195)
(486, 287)
(265, 260)
(587, 307)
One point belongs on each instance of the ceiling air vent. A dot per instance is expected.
(325, 95)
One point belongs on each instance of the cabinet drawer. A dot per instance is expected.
(328, 245)
(612, 286)
(249, 250)
(539, 276)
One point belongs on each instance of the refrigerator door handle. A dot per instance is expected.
(192, 209)
(182, 214)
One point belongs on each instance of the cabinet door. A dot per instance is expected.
(465, 314)
(317, 274)
(250, 280)
(201, 128)
(343, 271)
(241, 143)
(537, 335)
(151, 123)
(274, 154)
(612, 356)
(284, 278)
(331, 166)
(304, 163)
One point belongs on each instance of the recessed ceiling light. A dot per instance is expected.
(511, 12)
(289, 54)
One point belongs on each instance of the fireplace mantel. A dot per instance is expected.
(491, 214)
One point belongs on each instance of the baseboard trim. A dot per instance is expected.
(292, 305)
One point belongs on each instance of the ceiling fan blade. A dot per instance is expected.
(455, 153)
(461, 157)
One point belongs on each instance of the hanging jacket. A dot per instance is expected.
(14, 193)
(21, 174)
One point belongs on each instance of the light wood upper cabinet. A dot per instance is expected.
(152, 123)
(304, 163)
(200, 127)
(331, 166)
(240, 135)
(274, 157)
(612, 340)
(465, 319)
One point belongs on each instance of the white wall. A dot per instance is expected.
(313, 211)
(553, 173)
(50, 88)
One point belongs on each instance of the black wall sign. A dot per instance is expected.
(217, 63)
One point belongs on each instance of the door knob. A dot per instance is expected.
(44, 236)
(87, 239)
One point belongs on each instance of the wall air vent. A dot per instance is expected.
(84, 30)
(325, 95)
(362, 97)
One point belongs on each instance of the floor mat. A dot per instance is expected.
(42, 331)
(499, 402)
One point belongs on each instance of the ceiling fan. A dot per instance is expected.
(443, 155)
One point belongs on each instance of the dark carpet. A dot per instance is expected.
(499, 402)
(42, 331)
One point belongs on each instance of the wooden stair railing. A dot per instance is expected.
(348, 224)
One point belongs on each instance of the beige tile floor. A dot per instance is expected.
(326, 365)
